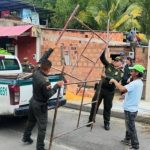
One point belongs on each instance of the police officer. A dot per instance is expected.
(126, 75)
(26, 66)
(107, 90)
(38, 105)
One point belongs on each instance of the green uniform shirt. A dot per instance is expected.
(110, 72)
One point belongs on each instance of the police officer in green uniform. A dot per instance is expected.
(38, 112)
(42, 91)
(26, 66)
(107, 90)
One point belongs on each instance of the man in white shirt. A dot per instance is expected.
(133, 93)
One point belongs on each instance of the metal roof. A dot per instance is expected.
(14, 5)
(14, 30)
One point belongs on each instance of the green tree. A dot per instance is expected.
(145, 19)
(49, 4)
(122, 14)
(63, 9)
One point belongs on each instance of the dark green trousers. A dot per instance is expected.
(38, 113)
(107, 98)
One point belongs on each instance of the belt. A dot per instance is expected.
(40, 102)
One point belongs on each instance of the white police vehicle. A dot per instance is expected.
(16, 90)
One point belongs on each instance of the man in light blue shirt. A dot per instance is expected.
(133, 94)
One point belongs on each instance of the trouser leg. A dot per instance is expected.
(127, 134)
(108, 98)
(30, 123)
(42, 124)
(41, 115)
(95, 97)
(132, 129)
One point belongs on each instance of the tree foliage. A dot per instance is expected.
(145, 18)
(63, 8)
(123, 14)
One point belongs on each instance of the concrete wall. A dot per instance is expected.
(10, 22)
(147, 90)
(142, 56)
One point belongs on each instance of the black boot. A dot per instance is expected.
(89, 123)
(27, 140)
(106, 126)
(126, 142)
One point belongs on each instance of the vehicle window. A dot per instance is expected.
(11, 64)
(1, 65)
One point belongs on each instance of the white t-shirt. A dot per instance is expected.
(133, 95)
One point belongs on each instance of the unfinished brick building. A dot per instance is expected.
(73, 42)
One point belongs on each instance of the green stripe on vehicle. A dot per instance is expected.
(24, 82)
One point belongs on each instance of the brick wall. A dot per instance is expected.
(77, 40)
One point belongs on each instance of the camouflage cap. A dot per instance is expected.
(118, 58)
